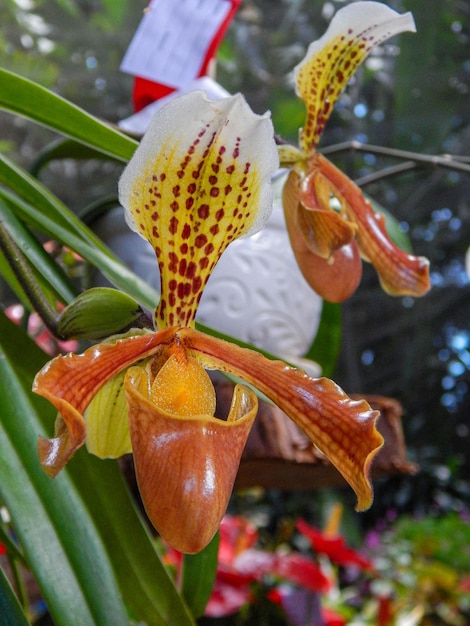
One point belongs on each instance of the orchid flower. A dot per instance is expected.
(330, 223)
(199, 179)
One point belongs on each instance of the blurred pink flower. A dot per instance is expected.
(37, 331)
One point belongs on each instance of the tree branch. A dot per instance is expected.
(413, 159)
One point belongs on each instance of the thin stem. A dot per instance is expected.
(448, 161)
(19, 585)
(386, 172)
(26, 278)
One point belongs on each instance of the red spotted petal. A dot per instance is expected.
(332, 60)
(199, 179)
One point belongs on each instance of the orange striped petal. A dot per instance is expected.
(333, 269)
(185, 464)
(332, 60)
(342, 428)
(199, 179)
(324, 229)
(400, 273)
(70, 382)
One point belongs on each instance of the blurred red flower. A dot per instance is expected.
(334, 547)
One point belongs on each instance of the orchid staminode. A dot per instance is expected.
(329, 243)
(199, 179)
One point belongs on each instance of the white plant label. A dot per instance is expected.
(171, 43)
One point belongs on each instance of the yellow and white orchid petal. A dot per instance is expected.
(71, 381)
(185, 464)
(400, 273)
(199, 179)
(332, 60)
(342, 428)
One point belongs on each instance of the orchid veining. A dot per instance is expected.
(199, 179)
(329, 239)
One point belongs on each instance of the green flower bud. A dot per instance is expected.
(98, 313)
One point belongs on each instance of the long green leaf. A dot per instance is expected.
(198, 576)
(41, 263)
(44, 211)
(29, 189)
(10, 279)
(11, 613)
(327, 343)
(28, 99)
(145, 583)
(54, 527)
(117, 273)
(147, 589)
(65, 149)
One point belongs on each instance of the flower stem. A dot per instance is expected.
(26, 278)
(412, 159)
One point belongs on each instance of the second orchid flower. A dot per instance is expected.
(331, 224)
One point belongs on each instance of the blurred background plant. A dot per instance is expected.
(412, 96)
(411, 572)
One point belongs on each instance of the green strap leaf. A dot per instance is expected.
(65, 149)
(145, 583)
(198, 576)
(327, 343)
(117, 273)
(11, 613)
(54, 527)
(29, 189)
(77, 527)
(41, 263)
(10, 279)
(28, 99)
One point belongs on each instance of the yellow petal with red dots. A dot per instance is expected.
(199, 179)
(332, 60)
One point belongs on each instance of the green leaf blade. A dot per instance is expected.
(11, 613)
(28, 99)
(54, 527)
(199, 572)
(89, 496)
